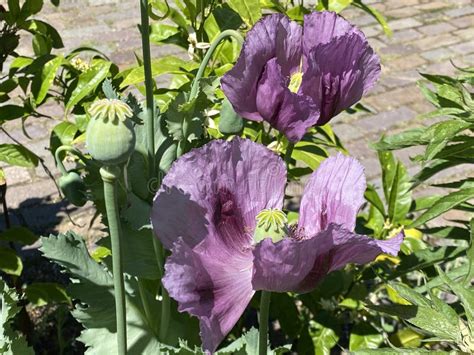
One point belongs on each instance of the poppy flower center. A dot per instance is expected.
(295, 81)
(271, 223)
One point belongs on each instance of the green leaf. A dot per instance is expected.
(47, 77)
(184, 119)
(62, 134)
(440, 134)
(364, 336)
(94, 289)
(11, 342)
(89, 81)
(400, 194)
(249, 10)
(376, 14)
(466, 296)
(40, 294)
(31, 7)
(309, 153)
(324, 338)
(423, 317)
(163, 65)
(18, 155)
(230, 121)
(11, 112)
(405, 139)
(373, 197)
(18, 234)
(443, 205)
(470, 254)
(338, 5)
(10, 263)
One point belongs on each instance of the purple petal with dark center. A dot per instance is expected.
(274, 36)
(333, 194)
(290, 113)
(210, 284)
(218, 190)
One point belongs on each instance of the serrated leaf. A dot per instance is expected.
(96, 310)
(109, 90)
(184, 119)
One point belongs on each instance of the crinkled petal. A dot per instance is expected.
(344, 247)
(339, 73)
(274, 36)
(281, 266)
(217, 191)
(290, 113)
(333, 194)
(322, 27)
(210, 284)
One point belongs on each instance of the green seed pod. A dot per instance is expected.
(110, 137)
(73, 188)
(230, 122)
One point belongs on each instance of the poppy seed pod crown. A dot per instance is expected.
(110, 137)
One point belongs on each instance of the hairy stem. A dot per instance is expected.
(109, 177)
(263, 322)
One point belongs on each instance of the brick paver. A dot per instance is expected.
(427, 34)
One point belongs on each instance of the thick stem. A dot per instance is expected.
(109, 177)
(289, 152)
(150, 116)
(150, 122)
(263, 322)
(227, 33)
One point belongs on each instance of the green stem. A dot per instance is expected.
(227, 33)
(289, 152)
(263, 322)
(146, 305)
(150, 122)
(110, 176)
(165, 305)
(69, 149)
(150, 116)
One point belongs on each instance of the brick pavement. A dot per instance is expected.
(427, 35)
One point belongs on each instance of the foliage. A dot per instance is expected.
(418, 302)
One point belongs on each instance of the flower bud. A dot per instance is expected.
(73, 188)
(110, 137)
(271, 223)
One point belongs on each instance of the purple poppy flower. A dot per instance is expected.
(295, 77)
(205, 213)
